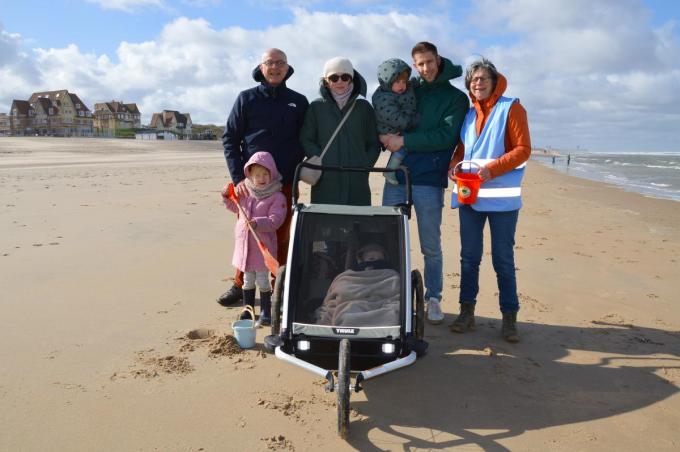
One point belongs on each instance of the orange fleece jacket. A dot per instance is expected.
(517, 140)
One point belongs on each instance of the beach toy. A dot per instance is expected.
(244, 330)
(467, 184)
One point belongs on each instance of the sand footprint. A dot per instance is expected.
(195, 338)
(278, 442)
(155, 366)
(534, 303)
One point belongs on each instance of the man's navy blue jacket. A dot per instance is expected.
(265, 118)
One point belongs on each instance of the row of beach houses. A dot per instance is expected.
(63, 114)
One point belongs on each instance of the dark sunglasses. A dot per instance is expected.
(335, 77)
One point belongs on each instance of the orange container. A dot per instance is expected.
(467, 184)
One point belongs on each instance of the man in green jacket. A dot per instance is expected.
(429, 146)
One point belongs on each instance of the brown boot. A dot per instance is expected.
(509, 328)
(465, 320)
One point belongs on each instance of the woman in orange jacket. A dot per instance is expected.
(495, 136)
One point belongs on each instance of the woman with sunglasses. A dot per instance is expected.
(356, 143)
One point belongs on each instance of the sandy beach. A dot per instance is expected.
(112, 253)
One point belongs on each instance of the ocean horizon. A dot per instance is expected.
(653, 174)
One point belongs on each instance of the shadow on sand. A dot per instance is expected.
(474, 389)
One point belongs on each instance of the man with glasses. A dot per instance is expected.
(266, 118)
(429, 145)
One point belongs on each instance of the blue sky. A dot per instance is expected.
(594, 74)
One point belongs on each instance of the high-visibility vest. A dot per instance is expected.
(502, 193)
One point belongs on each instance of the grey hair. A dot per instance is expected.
(482, 63)
(274, 50)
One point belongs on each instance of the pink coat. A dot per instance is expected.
(269, 213)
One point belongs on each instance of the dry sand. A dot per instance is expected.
(112, 254)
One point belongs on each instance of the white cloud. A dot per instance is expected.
(195, 68)
(128, 5)
(17, 69)
(589, 72)
(593, 79)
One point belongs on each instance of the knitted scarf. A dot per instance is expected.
(342, 98)
(261, 193)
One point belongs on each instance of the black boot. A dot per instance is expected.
(231, 296)
(265, 308)
(509, 328)
(248, 300)
(465, 320)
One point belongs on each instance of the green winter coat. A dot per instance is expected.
(356, 145)
(441, 109)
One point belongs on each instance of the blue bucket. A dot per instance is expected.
(244, 330)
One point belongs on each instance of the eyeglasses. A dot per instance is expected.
(480, 80)
(275, 63)
(335, 77)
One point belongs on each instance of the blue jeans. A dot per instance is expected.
(502, 225)
(428, 202)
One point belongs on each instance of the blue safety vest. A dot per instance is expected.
(502, 193)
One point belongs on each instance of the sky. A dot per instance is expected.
(597, 75)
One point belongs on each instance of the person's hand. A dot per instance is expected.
(392, 141)
(397, 143)
(242, 190)
(253, 224)
(383, 137)
(225, 192)
(452, 174)
(484, 173)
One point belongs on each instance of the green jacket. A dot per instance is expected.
(356, 145)
(441, 108)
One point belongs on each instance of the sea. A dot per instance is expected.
(653, 174)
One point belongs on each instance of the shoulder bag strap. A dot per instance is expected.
(337, 129)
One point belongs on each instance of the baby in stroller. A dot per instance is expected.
(366, 295)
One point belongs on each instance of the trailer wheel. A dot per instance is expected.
(419, 305)
(277, 300)
(343, 389)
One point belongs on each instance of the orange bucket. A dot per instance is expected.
(467, 184)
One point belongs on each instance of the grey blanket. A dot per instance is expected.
(362, 298)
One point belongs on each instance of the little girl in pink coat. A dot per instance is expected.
(265, 205)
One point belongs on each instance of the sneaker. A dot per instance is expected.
(434, 311)
(391, 178)
(231, 296)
